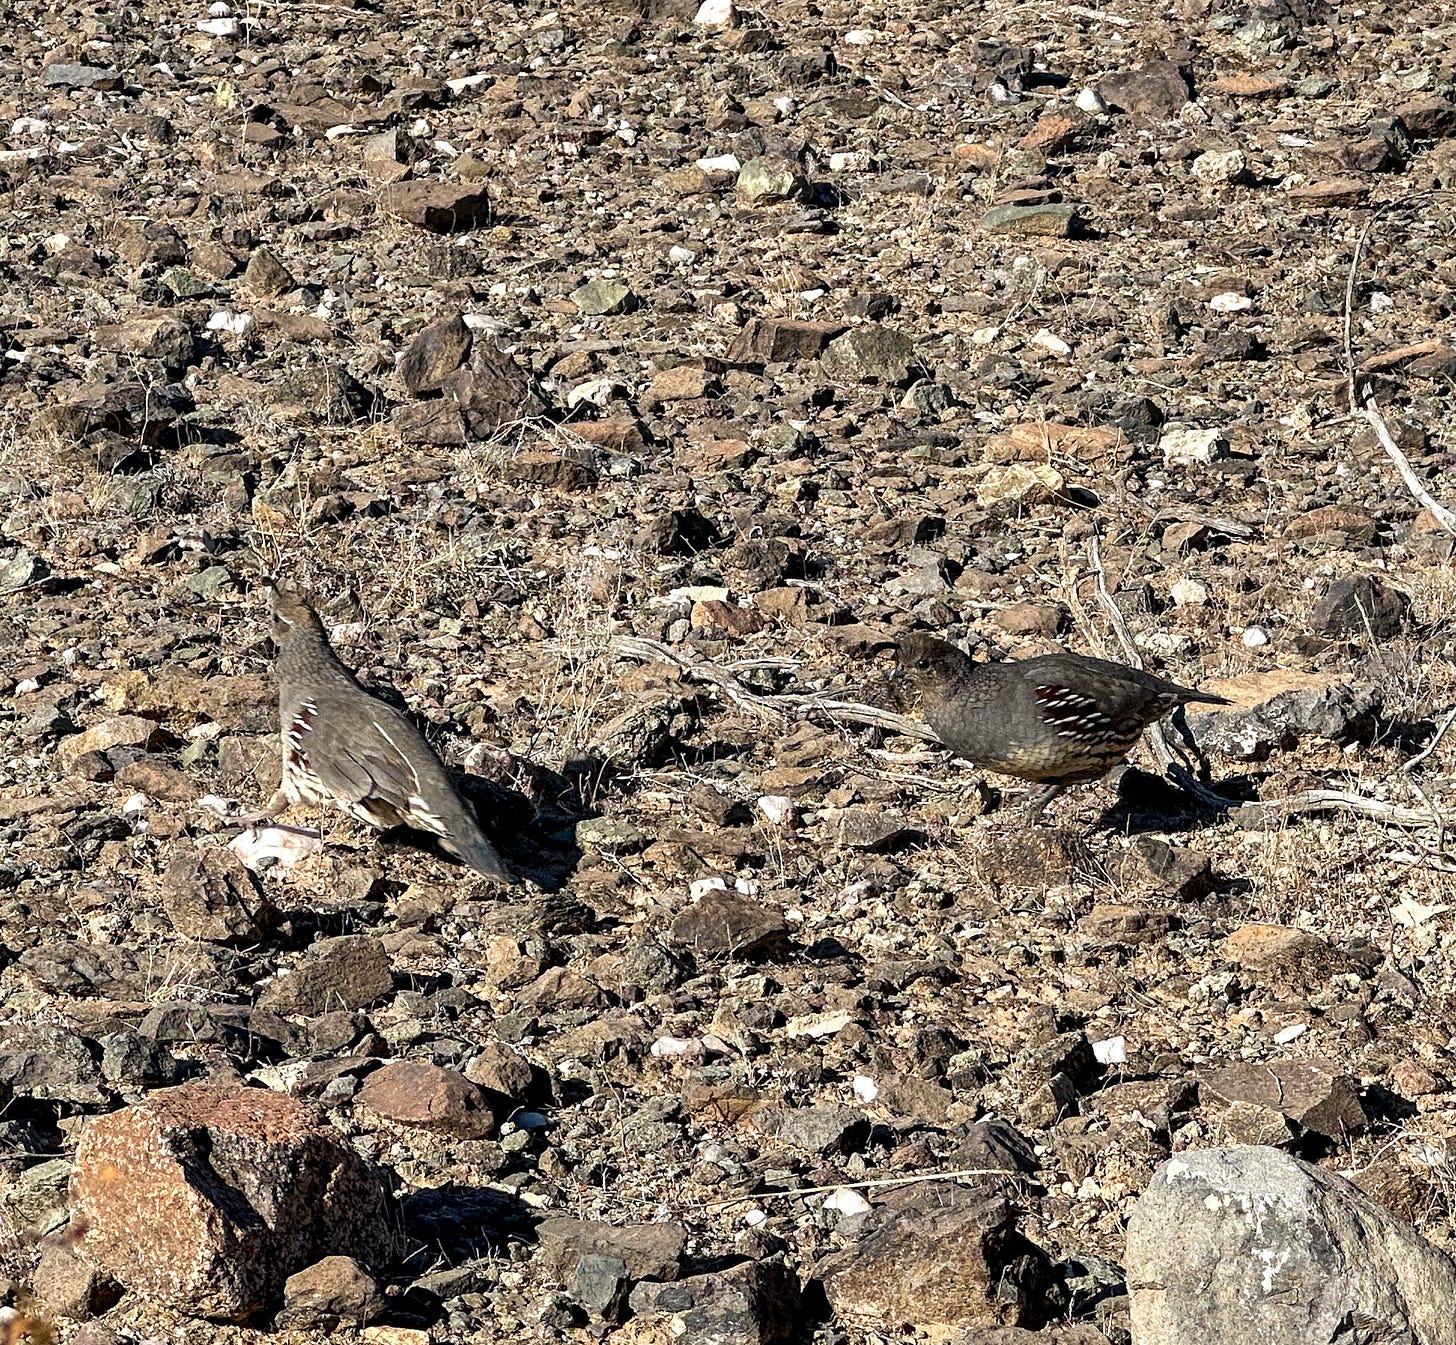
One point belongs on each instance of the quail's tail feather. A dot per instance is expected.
(480, 855)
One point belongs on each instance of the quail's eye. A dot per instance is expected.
(922, 663)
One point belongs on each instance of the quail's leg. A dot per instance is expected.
(1037, 800)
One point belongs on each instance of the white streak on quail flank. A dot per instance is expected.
(414, 774)
(422, 816)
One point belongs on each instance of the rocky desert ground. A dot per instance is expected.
(621, 380)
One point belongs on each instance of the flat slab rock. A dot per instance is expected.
(1247, 1245)
(207, 1197)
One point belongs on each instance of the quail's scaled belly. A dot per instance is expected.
(1045, 757)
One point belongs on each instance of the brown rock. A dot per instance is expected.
(158, 781)
(1051, 134)
(727, 617)
(267, 276)
(416, 1093)
(542, 467)
(1125, 924)
(498, 1069)
(683, 382)
(1029, 618)
(437, 424)
(438, 350)
(440, 207)
(781, 340)
(1356, 524)
(1033, 441)
(70, 1287)
(332, 1293)
(209, 895)
(1284, 957)
(624, 435)
(1248, 86)
(727, 924)
(1333, 192)
(1158, 90)
(207, 1197)
(1316, 1094)
(649, 1251)
(347, 972)
(120, 731)
(938, 1263)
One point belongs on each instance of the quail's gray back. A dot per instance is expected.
(344, 746)
(1057, 719)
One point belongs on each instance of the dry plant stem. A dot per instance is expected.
(1370, 411)
(784, 705)
(1408, 771)
(874, 1183)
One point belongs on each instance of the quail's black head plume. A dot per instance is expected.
(1054, 720)
(344, 746)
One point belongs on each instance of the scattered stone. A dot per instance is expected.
(439, 349)
(1031, 221)
(267, 276)
(752, 1303)
(62, 76)
(1362, 607)
(1157, 90)
(1318, 1095)
(816, 1130)
(208, 894)
(439, 207)
(334, 1293)
(725, 924)
(646, 1251)
(416, 1093)
(871, 354)
(1275, 709)
(768, 181)
(599, 298)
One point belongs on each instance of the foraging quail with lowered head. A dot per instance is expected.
(1056, 720)
(344, 746)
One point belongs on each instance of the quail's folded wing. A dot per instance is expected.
(372, 768)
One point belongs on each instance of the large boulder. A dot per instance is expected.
(207, 1197)
(1247, 1245)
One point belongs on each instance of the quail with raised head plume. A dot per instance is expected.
(342, 745)
(1056, 720)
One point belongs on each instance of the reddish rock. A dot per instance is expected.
(440, 207)
(1248, 86)
(207, 1197)
(1052, 134)
(726, 616)
(416, 1093)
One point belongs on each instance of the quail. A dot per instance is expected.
(344, 746)
(1056, 720)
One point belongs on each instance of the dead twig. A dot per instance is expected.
(874, 1183)
(1367, 409)
(784, 705)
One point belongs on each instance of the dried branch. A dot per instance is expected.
(784, 705)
